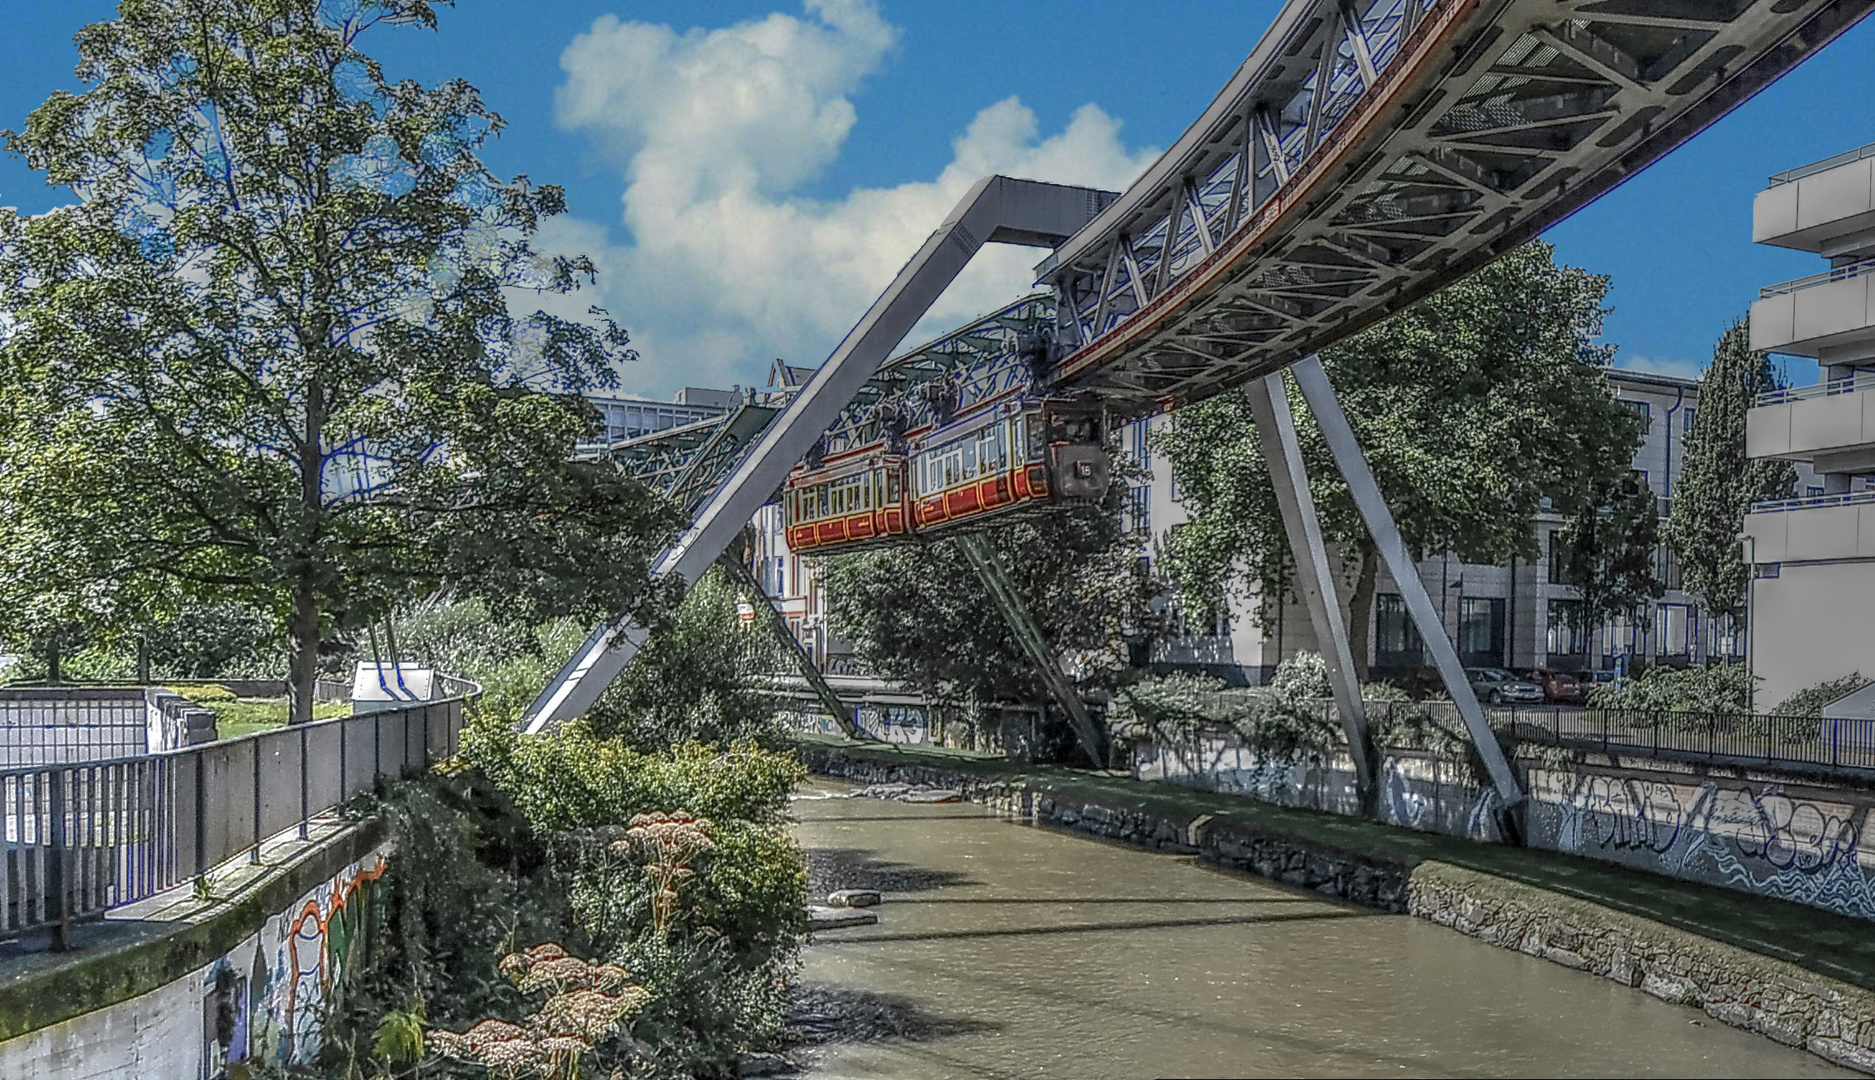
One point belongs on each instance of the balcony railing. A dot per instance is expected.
(1829, 388)
(1828, 163)
(1814, 502)
(1859, 268)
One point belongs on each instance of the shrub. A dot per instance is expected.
(1810, 701)
(202, 695)
(1302, 678)
(1707, 690)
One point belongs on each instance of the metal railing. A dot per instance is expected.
(1805, 741)
(1829, 388)
(1814, 502)
(83, 838)
(1859, 268)
(1828, 163)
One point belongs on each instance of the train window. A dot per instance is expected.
(891, 487)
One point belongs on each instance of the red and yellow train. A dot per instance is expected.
(1004, 457)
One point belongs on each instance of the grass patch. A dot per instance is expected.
(245, 716)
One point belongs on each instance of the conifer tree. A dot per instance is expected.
(1717, 482)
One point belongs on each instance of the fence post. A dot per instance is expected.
(254, 856)
(345, 775)
(426, 735)
(201, 814)
(304, 804)
(55, 870)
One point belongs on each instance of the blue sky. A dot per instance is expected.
(749, 175)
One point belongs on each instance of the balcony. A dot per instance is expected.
(1831, 423)
(1827, 315)
(1814, 529)
(1827, 207)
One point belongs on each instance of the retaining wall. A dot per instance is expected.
(246, 981)
(1786, 835)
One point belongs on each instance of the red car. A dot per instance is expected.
(1562, 687)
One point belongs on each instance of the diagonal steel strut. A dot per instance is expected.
(1316, 390)
(997, 209)
(1276, 431)
(739, 571)
(989, 567)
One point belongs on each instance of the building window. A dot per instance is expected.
(1396, 639)
(1667, 567)
(1138, 508)
(1568, 634)
(1140, 436)
(1673, 626)
(1558, 558)
(1643, 410)
(1686, 420)
(1814, 492)
(1481, 630)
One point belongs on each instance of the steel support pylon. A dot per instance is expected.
(998, 209)
(989, 567)
(1312, 380)
(1276, 432)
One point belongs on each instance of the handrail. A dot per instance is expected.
(1814, 502)
(85, 837)
(1827, 388)
(1845, 158)
(1859, 268)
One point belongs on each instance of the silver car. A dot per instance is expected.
(1495, 686)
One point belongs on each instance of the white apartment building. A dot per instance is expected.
(1812, 602)
(1518, 616)
(627, 416)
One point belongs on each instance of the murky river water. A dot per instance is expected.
(1004, 950)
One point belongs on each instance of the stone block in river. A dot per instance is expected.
(852, 898)
(939, 795)
(833, 918)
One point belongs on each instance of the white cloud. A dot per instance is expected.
(715, 133)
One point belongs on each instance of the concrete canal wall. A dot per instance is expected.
(1770, 833)
(193, 988)
(1383, 868)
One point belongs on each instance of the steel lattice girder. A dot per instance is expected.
(981, 360)
(1369, 153)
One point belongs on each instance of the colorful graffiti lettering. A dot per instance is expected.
(264, 1000)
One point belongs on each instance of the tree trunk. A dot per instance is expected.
(1361, 606)
(303, 644)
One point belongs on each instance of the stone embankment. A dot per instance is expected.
(1345, 875)
(1388, 869)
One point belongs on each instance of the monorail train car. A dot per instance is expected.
(1002, 458)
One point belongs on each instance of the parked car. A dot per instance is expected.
(1495, 686)
(1562, 687)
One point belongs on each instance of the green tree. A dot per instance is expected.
(702, 676)
(1474, 406)
(916, 613)
(1608, 551)
(267, 357)
(1717, 482)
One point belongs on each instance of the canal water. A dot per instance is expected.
(1005, 950)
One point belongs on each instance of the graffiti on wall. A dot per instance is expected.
(264, 1000)
(1759, 838)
